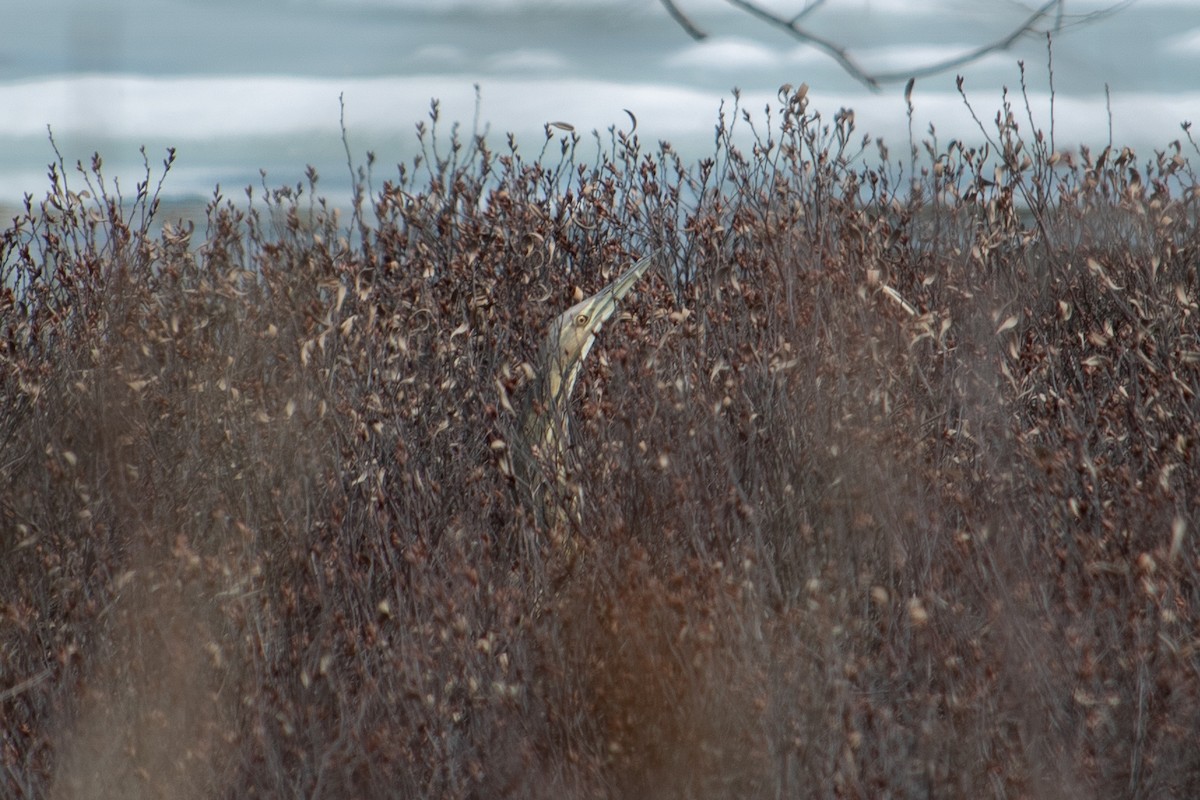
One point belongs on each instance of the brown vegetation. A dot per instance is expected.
(889, 480)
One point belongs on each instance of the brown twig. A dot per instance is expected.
(683, 20)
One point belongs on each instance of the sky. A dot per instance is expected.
(242, 85)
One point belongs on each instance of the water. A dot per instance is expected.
(239, 87)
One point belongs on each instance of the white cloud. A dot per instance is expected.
(439, 55)
(1187, 43)
(738, 55)
(535, 61)
(899, 57)
(725, 54)
(222, 115)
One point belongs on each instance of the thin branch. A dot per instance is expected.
(24, 685)
(966, 58)
(812, 6)
(837, 52)
(874, 81)
(1093, 16)
(683, 21)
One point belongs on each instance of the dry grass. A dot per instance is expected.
(889, 478)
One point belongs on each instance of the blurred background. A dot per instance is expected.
(254, 84)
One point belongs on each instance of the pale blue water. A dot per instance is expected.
(241, 86)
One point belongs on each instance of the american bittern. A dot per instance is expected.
(541, 463)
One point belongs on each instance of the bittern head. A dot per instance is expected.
(574, 332)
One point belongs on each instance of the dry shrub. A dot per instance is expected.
(888, 473)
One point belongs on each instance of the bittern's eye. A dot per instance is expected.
(581, 320)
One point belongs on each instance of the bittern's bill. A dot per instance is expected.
(544, 433)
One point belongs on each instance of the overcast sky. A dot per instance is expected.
(236, 86)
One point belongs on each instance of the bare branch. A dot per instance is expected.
(810, 7)
(1092, 16)
(874, 81)
(683, 21)
(837, 52)
(966, 58)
